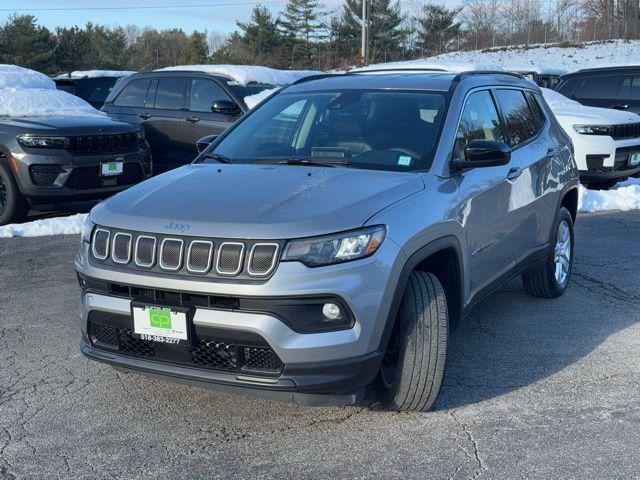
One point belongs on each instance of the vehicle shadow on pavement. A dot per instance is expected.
(511, 340)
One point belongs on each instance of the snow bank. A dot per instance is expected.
(13, 76)
(547, 57)
(253, 100)
(244, 74)
(626, 196)
(49, 226)
(433, 63)
(40, 102)
(96, 73)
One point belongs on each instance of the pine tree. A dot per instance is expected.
(439, 29)
(24, 43)
(197, 51)
(302, 28)
(386, 33)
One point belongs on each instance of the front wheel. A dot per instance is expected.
(413, 367)
(550, 279)
(13, 206)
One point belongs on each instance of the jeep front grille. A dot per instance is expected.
(627, 130)
(212, 257)
(102, 143)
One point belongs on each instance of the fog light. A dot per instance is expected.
(331, 311)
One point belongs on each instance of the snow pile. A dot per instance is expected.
(27, 93)
(49, 226)
(434, 63)
(13, 76)
(42, 102)
(95, 74)
(626, 196)
(557, 101)
(253, 100)
(547, 57)
(245, 74)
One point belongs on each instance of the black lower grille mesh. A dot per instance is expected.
(212, 354)
(42, 175)
(85, 178)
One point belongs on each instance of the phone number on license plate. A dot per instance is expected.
(158, 338)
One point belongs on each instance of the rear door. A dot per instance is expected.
(597, 90)
(200, 120)
(489, 221)
(164, 123)
(629, 93)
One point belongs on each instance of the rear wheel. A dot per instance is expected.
(13, 206)
(550, 279)
(413, 367)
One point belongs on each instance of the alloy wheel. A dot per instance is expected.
(562, 253)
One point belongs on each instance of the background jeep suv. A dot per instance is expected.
(332, 237)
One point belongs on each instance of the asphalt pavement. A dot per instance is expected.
(533, 389)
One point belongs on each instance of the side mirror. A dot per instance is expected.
(225, 106)
(203, 143)
(483, 153)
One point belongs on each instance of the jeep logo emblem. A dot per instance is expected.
(177, 227)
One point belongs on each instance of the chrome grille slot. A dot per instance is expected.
(121, 249)
(171, 254)
(199, 256)
(262, 258)
(100, 245)
(145, 255)
(230, 256)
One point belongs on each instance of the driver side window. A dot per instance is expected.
(479, 121)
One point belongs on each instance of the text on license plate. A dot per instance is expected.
(160, 324)
(111, 168)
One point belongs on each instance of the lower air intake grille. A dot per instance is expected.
(216, 355)
(42, 175)
(85, 178)
(259, 358)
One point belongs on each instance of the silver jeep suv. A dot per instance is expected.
(332, 237)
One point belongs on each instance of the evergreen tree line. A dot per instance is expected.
(306, 35)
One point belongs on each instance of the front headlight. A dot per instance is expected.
(87, 228)
(594, 129)
(337, 248)
(43, 141)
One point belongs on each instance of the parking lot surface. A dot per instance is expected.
(533, 389)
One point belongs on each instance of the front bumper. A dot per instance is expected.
(602, 159)
(58, 176)
(331, 364)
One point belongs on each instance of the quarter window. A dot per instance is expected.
(170, 93)
(520, 123)
(204, 93)
(538, 116)
(134, 94)
(479, 121)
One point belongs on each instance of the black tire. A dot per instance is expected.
(413, 368)
(542, 281)
(13, 206)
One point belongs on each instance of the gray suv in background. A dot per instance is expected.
(49, 161)
(332, 237)
(176, 108)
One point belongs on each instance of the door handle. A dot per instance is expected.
(192, 119)
(514, 172)
(620, 107)
(144, 116)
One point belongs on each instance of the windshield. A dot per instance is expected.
(378, 129)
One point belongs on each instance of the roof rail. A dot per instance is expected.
(317, 77)
(462, 75)
(401, 69)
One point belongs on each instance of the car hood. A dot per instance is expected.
(255, 201)
(66, 125)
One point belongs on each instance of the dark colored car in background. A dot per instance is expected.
(606, 87)
(49, 161)
(176, 108)
(91, 88)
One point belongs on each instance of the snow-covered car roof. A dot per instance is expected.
(540, 70)
(246, 74)
(569, 112)
(27, 93)
(77, 74)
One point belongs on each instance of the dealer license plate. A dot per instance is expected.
(110, 169)
(634, 159)
(160, 324)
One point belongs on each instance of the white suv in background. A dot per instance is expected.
(606, 141)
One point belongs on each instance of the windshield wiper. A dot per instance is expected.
(219, 158)
(311, 162)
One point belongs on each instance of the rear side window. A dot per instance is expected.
(601, 86)
(170, 93)
(101, 89)
(536, 110)
(133, 94)
(630, 89)
(520, 123)
(204, 93)
(479, 121)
